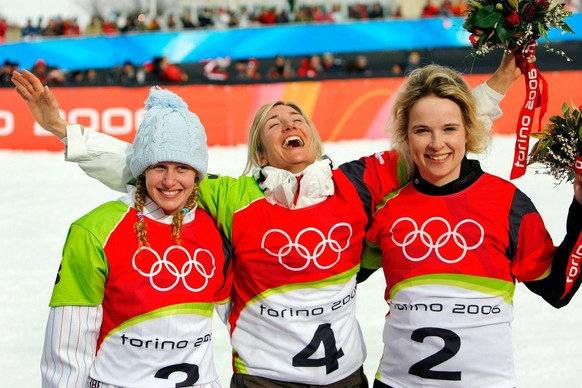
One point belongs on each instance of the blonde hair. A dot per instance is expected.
(256, 148)
(140, 226)
(442, 82)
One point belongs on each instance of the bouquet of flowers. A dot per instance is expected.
(512, 24)
(559, 146)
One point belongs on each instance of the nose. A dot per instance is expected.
(436, 141)
(169, 177)
(287, 125)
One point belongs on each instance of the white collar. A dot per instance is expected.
(280, 186)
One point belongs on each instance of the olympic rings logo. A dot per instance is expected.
(299, 245)
(191, 271)
(446, 237)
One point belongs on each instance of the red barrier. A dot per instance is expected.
(341, 109)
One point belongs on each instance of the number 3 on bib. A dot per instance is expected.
(323, 335)
(452, 344)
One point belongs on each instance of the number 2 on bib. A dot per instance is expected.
(323, 335)
(452, 344)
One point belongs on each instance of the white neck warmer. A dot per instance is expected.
(280, 186)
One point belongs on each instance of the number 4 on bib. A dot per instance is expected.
(323, 335)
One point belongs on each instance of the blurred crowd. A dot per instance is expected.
(160, 71)
(218, 18)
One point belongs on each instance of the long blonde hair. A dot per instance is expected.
(256, 148)
(442, 82)
(140, 226)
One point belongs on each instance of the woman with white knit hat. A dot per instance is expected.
(136, 289)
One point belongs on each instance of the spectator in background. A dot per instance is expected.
(359, 66)
(247, 69)
(460, 7)
(245, 17)
(331, 64)
(358, 12)
(267, 17)
(376, 11)
(447, 9)
(570, 5)
(53, 28)
(429, 10)
(71, 27)
(240, 68)
(396, 70)
(172, 23)
(127, 74)
(167, 72)
(95, 27)
(282, 16)
(84, 78)
(310, 67)
(30, 32)
(336, 15)
(217, 69)
(205, 19)
(39, 69)
(110, 26)
(187, 22)
(412, 62)
(253, 69)
(397, 13)
(281, 69)
(13, 33)
(129, 25)
(154, 24)
(221, 18)
(6, 72)
(3, 29)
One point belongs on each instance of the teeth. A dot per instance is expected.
(291, 139)
(169, 193)
(439, 157)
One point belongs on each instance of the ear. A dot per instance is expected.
(263, 160)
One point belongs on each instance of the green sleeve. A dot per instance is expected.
(84, 268)
(83, 271)
(222, 196)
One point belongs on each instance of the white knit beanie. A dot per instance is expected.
(169, 133)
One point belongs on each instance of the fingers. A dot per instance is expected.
(33, 81)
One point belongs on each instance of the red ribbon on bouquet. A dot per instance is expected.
(536, 97)
(578, 164)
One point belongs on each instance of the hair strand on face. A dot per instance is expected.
(177, 220)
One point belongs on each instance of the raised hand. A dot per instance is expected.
(507, 72)
(41, 102)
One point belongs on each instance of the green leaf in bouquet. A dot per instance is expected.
(504, 33)
(565, 109)
(564, 26)
(486, 17)
(514, 4)
(474, 4)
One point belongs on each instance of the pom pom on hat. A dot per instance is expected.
(169, 132)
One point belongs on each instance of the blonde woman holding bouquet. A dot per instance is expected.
(454, 241)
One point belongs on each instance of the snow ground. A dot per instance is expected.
(42, 195)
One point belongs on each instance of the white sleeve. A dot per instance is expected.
(223, 311)
(101, 156)
(69, 346)
(488, 103)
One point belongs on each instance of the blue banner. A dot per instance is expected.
(258, 42)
